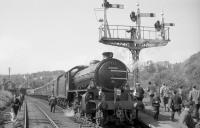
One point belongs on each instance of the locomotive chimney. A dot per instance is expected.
(107, 55)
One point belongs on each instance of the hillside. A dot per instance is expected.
(185, 74)
(191, 69)
(34, 79)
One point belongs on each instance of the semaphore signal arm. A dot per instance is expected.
(133, 37)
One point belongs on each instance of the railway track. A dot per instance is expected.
(56, 120)
(26, 123)
(40, 118)
(83, 123)
(48, 117)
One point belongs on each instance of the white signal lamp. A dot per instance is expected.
(120, 6)
(101, 20)
(169, 24)
(133, 16)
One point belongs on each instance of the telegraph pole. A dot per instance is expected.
(27, 81)
(9, 70)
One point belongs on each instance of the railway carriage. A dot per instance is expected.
(45, 91)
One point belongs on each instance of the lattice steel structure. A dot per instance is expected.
(134, 38)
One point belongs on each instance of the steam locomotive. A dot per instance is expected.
(99, 91)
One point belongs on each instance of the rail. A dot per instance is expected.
(50, 120)
(26, 123)
(145, 125)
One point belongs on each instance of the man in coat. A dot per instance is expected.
(15, 106)
(194, 96)
(156, 106)
(175, 103)
(53, 103)
(139, 92)
(164, 94)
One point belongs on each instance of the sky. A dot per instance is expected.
(47, 35)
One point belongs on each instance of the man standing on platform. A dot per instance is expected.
(152, 91)
(156, 106)
(175, 103)
(15, 106)
(164, 93)
(194, 96)
(139, 92)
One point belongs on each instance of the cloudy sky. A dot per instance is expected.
(38, 35)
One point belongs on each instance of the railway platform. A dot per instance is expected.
(163, 122)
(39, 115)
(164, 117)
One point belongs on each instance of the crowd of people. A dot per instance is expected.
(174, 101)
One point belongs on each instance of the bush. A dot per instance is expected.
(5, 99)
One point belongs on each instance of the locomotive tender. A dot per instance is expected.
(98, 91)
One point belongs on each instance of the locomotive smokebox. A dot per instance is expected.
(107, 55)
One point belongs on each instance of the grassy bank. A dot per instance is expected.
(5, 99)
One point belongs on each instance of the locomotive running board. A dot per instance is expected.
(118, 71)
(117, 78)
(83, 90)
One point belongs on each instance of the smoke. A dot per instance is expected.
(133, 66)
(69, 112)
(126, 56)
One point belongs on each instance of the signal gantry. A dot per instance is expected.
(135, 38)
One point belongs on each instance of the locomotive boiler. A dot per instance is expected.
(106, 74)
